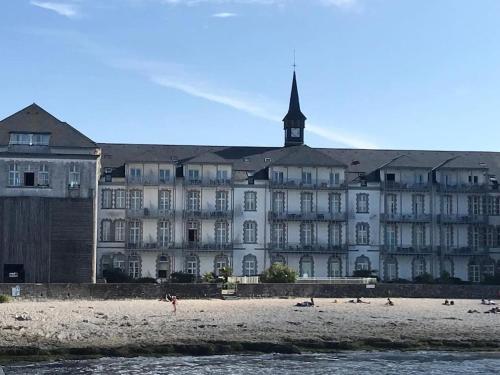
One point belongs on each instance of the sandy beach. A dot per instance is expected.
(131, 327)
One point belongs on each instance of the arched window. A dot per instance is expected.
(134, 266)
(221, 232)
(192, 265)
(249, 265)
(220, 262)
(249, 232)
(334, 267)
(163, 267)
(279, 259)
(106, 263)
(164, 235)
(390, 269)
(306, 266)
(418, 267)
(105, 230)
(119, 261)
(362, 263)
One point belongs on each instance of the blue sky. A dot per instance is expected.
(421, 74)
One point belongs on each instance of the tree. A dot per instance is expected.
(279, 273)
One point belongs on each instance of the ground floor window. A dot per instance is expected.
(249, 265)
(448, 267)
(119, 262)
(220, 262)
(163, 267)
(418, 267)
(192, 265)
(474, 273)
(306, 266)
(391, 270)
(334, 267)
(134, 267)
(362, 263)
(278, 259)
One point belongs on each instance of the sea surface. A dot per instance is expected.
(384, 363)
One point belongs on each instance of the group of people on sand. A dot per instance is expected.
(357, 300)
(487, 302)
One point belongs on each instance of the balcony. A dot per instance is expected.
(405, 218)
(464, 188)
(463, 219)
(298, 184)
(463, 251)
(208, 214)
(310, 216)
(403, 186)
(208, 182)
(322, 248)
(149, 180)
(207, 246)
(152, 213)
(406, 249)
(149, 246)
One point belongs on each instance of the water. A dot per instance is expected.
(384, 363)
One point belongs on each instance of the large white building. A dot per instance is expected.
(324, 212)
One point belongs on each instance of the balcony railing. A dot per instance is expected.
(406, 249)
(289, 247)
(403, 186)
(207, 246)
(464, 188)
(210, 214)
(150, 246)
(463, 219)
(153, 213)
(463, 251)
(405, 218)
(149, 180)
(207, 182)
(310, 216)
(299, 184)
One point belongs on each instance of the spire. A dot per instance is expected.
(294, 112)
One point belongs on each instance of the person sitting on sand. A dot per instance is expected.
(452, 303)
(305, 303)
(483, 302)
(446, 302)
(490, 302)
(389, 302)
(473, 312)
(351, 301)
(358, 300)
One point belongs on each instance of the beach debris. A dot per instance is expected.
(294, 323)
(22, 317)
(125, 317)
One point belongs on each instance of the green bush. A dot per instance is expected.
(181, 277)
(116, 275)
(278, 273)
(364, 273)
(4, 298)
(209, 277)
(226, 272)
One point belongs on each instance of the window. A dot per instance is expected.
(391, 201)
(249, 265)
(306, 266)
(278, 177)
(447, 205)
(193, 200)
(335, 234)
(447, 267)
(29, 177)
(193, 231)
(119, 230)
(164, 200)
(106, 230)
(390, 177)
(307, 178)
(362, 203)
(164, 176)
(164, 233)
(74, 175)
(306, 234)
(418, 235)
(106, 263)
(362, 233)
(135, 232)
(418, 267)
(278, 202)
(475, 237)
(488, 270)
(120, 200)
(475, 207)
(43, 175)
(250, 201)
(391, 270)
(334, 201)
(418, 204)
(134, 268)
(119, 262)
(249, 232)
(135, 199)
(192, 265)
(473, 180)
(419, 179)
(449, 239)
(278, 235)
(334, 178)
(14, 175)
(220, 262)
(29, 139)
(163, 267)
(135, 175)
(474, 273)
(391, 239)
(194, 175)
(221, 201)
(222, 176)
(306, 203)
(278, 259)
(221, 232)
(362, 263)
(107, 198)
(334, 267)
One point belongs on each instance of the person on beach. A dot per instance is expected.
(446, 302)
(359, 300)
(389, 302)
(305, 303)
(173, 300)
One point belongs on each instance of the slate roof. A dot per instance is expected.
(34, 119)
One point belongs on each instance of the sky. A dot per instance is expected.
(403, 74)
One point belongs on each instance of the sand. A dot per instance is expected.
(202, 326)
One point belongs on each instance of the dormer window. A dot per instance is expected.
(194, 175)
(307, 178)
(29, 139)
(74, 176)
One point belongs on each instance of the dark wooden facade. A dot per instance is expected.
(51, 237)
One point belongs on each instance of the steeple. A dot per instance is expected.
(294, 120)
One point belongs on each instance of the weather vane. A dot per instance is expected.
(294, 65)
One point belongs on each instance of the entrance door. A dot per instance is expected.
(13, 273)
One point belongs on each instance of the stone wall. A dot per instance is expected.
(112, 291)
(380, 291)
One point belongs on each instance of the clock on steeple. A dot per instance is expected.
(294, 121)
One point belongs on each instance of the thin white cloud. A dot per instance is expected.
(69, 10)
(224, 15)
(341, 4)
